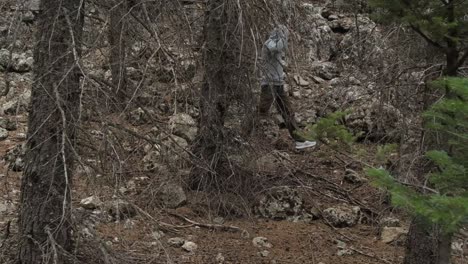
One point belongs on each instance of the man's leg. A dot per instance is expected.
(266, 99)
(284, 107)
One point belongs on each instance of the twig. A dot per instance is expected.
(228, 228)
(370, 255)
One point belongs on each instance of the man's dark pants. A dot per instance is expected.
(275, 94)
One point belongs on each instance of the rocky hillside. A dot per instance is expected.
(131, 203)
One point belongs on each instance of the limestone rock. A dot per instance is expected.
(189, 246)
(138, 117)
(176, 241)
(390, 222)
(7, 124)
(91, 202)
(18, 104)
(3, 133)
(300, 81)
(352, 176)
(342, 216)
(316, 34)
(173, 149)
(261, 242)
(220, 258)
(183, 125)
(264, 253)
(392, 234)
(325, 69)
(28, 17)
(172, 195)
(15, 157)
(280, 204)
(157, 234)
(344, 252)
(120, 209)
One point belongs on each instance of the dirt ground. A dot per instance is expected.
(292, 242)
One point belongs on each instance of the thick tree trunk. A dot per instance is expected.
(452, 60)
(44, 218)
(420, 245)
(213, 97)
(445, 248)
(118, 48)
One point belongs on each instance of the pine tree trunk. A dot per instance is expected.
(118, 45)
(44, 217)
(445, 248)
(213, 97)
(420, 246)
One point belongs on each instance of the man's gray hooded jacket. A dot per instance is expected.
(273, 51)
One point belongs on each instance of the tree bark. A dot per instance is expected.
(44, 217)
(420, 245)
(118, 48)
(214, 103)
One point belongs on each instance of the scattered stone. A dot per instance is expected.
(7, 124)
(28, 17)
(390, 222)
(120, 209)
(129, 224)
(344, 252)
(352, 176)
(173, 149)
(261, 242)
(297, 94)
(158, 234)
(280, 204)
(176, 241)
(340, 244)
(300, 81)
(152, 160)
(264, 253)
(325, 69)
(3, 133)
(189, 246)
(7, 207)
(218, 220)
(91, 202)
(392, 234)
(457, 248)
(15, 157)
(17, 165)
(138, 117)
(85, 232)
(342, 216)
(21, 136)
(341, 25)
(32, 5)
(3, 208)
(332, 17)
(18, 104)
(184, 126)
(220, 258)
(354, 81)
(172, 195)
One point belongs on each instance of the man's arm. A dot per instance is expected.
(275, 44)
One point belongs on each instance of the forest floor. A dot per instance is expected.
(222, 227)
(291, 242)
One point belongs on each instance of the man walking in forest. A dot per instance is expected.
(272, 83)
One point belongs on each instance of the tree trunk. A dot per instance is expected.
(445, 248)
(214, 101)
(44, 217)
(420, 245)
(452, 59)
(118, 46)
